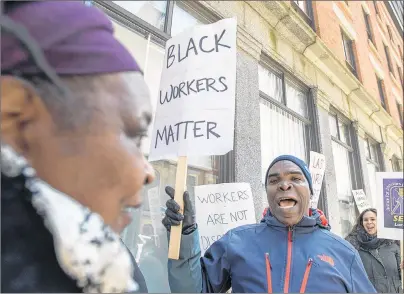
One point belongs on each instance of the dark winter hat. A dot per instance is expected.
(74, 39)
(300, 163)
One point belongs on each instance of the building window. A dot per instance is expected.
(286, 122)
(373, 163)
(343, 154)
(305, 9)
(387, 52)
(153, 12)
(380, 87)
(390, 34)
(395, 164)
(349, 53)
(376, 7)
(400, 74)
(400, 113)
(368, 27)
(143, 27)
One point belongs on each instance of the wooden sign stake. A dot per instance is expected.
(180, 184)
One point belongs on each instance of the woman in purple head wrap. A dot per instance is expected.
(74, 110)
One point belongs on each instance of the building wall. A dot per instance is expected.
(332, 15)
(275, 29)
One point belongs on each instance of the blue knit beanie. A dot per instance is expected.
(300, 163)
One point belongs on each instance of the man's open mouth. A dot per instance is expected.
(286, 202)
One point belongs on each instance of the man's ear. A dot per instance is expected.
(18, 111)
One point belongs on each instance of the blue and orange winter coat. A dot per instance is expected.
(270, 257)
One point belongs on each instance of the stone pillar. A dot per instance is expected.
(247, 140)
(330, 182)
(363, 162)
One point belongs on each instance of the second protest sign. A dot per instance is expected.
(220, 208)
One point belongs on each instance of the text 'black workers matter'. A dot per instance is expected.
(195, 104)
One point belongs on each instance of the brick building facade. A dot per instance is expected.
(377, 46)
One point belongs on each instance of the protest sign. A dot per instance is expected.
(390, 193)
(361, 200)
(196, 102)
(220, 208)
(317, 169)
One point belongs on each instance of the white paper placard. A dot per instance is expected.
(220, 208)
(196, 104)
(390, 206)
(317, 169)
(361, 200)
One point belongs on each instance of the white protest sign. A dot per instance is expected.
(317, 169)
(220, 208)
(361, 200)
(390, 206)
(196, 104)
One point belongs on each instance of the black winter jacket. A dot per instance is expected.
(381, 261)
(28, 259)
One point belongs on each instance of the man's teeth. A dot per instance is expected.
(287, 202)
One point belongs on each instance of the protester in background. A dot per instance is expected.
(380, 257)
(291, 250)
(74, 109)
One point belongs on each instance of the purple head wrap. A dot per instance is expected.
(75, 39)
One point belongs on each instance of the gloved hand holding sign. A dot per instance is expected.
(173, 217)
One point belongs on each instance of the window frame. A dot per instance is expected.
(400, 74)
(310, 129)
(368, 26)
(388, 58)
(377, 162)
(390, 34)
(352, 147)
(400, 113)
(348, 42)
(308, 15)
(395, 164)
(376, 7)
(382, 97)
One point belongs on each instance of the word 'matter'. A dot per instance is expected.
(171, 133)
(194, 49)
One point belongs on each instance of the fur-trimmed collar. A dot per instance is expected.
(87, 250)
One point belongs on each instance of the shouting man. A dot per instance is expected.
(291, 250)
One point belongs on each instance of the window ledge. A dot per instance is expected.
(380, 23)
(398, 84)
(374, 50)
(345, 8)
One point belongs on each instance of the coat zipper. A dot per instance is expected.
(306, 276)
(288, 262)
(269, 278)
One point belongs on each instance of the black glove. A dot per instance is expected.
(173, 217)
